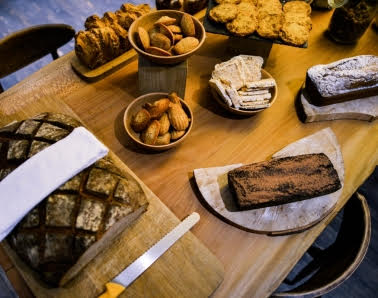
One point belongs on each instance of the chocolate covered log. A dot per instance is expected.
(283, 180)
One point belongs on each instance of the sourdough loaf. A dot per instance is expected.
(69, 227)
(343, 80)
(283, 180)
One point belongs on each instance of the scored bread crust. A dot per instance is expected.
(59, 236)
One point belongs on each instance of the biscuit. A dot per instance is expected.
(159, 40)
(166, 31)
(166, 21)
(297, 6)
(185, 45)
(247, 7)
(243, 24)
(227, 1)
(144, 38)
(300, 19)
(223, 13)
(294, 34)
(269, 6)
(269, 26)
(157, 51)
(187, 25)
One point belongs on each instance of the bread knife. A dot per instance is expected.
(135, 269)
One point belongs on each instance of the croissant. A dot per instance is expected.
(106, 38)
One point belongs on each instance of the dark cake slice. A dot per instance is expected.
(283, 180)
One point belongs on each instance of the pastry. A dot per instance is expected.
(243, 24)
(342, 80)
(223, 13)
(283, 180)
(63, 233)
(186, 45)
(297, 6)
(106, 38)
(295, 34)
(269, 25)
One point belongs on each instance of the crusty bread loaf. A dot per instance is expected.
(342, 80)
(283, 180)
(67, 229)
(106, 38)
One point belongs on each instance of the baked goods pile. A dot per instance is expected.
(342, 80)
(238, 82)
(162, 122)
(290, 22)
(169, 36)
(106, 38)
(283, 180)
(67, 229)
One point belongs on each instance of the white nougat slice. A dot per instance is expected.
(255, 92)
(265, 83)
(251, 98)
(219, 88)
(229, 74)
(235, 98)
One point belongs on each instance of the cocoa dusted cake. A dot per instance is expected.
(283, 180)
(74, 223)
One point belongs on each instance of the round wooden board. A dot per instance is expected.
(282, 219)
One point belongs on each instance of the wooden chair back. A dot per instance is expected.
(345, 255)
(23, 47)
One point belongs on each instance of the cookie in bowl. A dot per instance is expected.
(158, 121)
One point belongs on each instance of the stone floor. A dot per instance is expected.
(18, 14)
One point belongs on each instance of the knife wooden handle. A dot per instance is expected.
(113, 290)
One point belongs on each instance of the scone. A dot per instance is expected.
(297, 6)
(243, 24)
(223, 13)
(269, 26)
(294, 34)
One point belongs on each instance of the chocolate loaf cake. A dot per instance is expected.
(60, 235)
(283, 180)
(343, 80)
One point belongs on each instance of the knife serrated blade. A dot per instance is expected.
(135, 269)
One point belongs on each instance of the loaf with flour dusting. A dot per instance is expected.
(343, 80)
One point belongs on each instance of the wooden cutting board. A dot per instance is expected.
(187, 269)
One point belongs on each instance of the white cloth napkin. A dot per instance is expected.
(44, 172)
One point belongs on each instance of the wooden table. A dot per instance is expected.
(255, 264)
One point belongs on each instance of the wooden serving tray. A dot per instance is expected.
(92, 75)
(187, 269)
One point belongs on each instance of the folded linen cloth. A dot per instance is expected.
(44, 172)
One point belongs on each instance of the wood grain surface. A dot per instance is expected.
(255, 264)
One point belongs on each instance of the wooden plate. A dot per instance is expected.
(274, 91)
(282, 219)
(136, 105)
(92, 75)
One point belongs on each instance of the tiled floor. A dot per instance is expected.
(18, 14)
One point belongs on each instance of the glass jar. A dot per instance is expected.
(349, 22)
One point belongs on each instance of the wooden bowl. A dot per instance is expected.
(136, 105)
(274, 91)
(147, 22)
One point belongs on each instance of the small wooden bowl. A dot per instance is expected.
(136, 105)
(274, 91)
(147, 22)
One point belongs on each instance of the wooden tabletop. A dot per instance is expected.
(255, 264)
